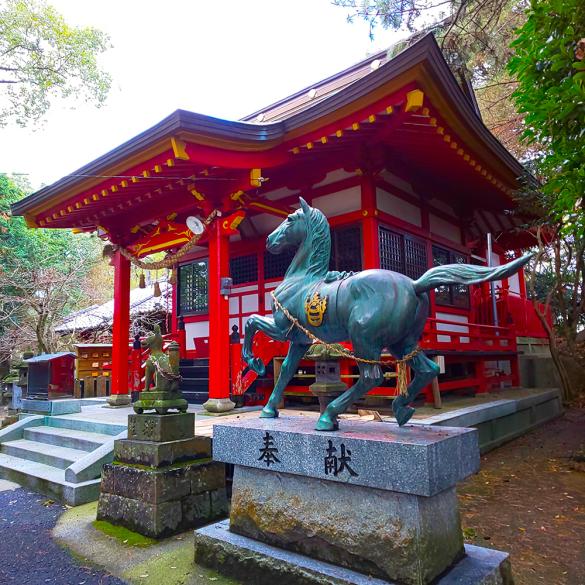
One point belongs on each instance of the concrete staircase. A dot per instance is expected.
(58, 456)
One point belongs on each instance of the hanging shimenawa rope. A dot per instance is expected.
(401, 364)
(169, 261)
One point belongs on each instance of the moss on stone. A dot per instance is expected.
(125, 536)
(174, 568)
(177, 465)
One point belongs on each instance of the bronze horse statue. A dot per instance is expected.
(374, 309)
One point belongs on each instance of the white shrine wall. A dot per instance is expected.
(398, 207)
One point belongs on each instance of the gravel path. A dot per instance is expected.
(28, 556)
(529, 500)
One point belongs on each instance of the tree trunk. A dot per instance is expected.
(566, 388)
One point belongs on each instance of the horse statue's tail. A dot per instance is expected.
(466, 274)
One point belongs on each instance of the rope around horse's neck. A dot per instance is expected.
(400, 375)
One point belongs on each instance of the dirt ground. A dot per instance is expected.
(529, 500)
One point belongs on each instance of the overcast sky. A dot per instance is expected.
(224, 59)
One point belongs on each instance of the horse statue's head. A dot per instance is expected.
(308, 230)
(294, 229)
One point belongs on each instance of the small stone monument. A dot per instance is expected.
(373, 503)
(162, 480)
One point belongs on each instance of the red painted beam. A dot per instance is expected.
(219, 343)
(371, 241)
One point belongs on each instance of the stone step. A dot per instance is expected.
(194, 383)
(70, 422)
(194, 362)
(74, 439)
(195, 371)
(53, 455)
(47, 480)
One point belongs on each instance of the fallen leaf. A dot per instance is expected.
(370, 414)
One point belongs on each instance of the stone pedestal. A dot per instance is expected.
(51, 407)
(118, 400)
(163, 480)
(219, 405)
(372, 499)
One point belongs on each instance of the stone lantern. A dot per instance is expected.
(328, 384)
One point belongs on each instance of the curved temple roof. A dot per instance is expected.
(292, 122)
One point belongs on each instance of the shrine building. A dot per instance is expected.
(392, 150)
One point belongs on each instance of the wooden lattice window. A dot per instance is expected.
(244, 269)
(346, 249)
(192, 293)
(456, 295)
(402, 253)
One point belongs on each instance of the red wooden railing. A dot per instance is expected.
(441, 335)
(514, 311)
(444, 335)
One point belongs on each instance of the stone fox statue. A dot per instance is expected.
(158, 366)
(161, 370)
(374, 309)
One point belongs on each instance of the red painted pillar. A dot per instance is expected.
(371, 241)
(120, 332)
(219, 341)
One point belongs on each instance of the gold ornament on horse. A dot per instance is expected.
(315, 308)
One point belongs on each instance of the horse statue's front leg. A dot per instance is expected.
(296, 351)
(253, 324)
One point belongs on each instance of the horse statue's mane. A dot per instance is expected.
(313, 254)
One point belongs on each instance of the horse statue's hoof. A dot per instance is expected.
(269, 412)
(403, 415)
(325, 423)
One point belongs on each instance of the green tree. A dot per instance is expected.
(21, 247)
(44, 274)
(42, 58)
(549, 64)
(475, 37)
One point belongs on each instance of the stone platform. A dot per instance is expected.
(162, 480)
(234, 555)
(378, 500)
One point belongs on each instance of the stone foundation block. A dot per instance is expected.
(233, 555)
(158, 502)
(168, 427)
(370, 498)
(154, 520)
(220, 506)
(196, 508)
(390, 535)
(413, 459)
(153, 454)
(207, 477)
(153, 486)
